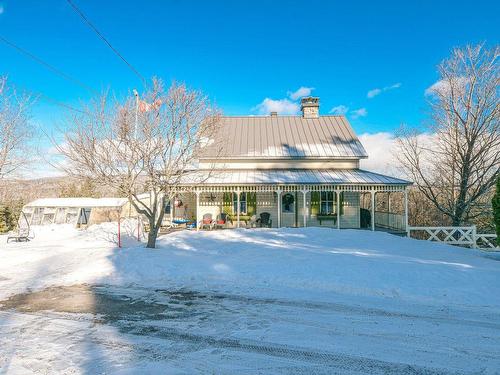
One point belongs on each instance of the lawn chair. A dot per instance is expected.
(222, 221)
(23, 233)
(207, 222)
(264, 221)
(252, 223)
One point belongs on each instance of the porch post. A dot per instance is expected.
(304, 208)
(388, 201)
(172, 208)
(197, 210)
(278, 193)
(238, 209)
(372, 192)
(406, 208)
(337, 196)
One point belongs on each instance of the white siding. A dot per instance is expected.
(350, 218)
(266, 202)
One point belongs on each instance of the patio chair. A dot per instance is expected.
(222, 221)
(23, 232)
(252, 223)
(264, 220)
(207, 222)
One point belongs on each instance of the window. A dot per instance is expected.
(327, 203)
(243, 203)
(168, 208)
(288, 201)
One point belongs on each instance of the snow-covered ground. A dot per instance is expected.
(310, 300)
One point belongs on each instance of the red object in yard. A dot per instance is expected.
(207, 221)
(119, 235)
(221, 222)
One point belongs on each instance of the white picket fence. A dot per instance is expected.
(461, 236)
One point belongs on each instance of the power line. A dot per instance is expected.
(91, 25)
(47, 65)
(47, 98)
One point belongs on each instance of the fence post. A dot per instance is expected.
(474, 237)
(119, 234)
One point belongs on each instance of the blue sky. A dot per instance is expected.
(242, 52)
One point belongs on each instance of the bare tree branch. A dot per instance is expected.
(141, 147)
(15, 130)
(459, 160)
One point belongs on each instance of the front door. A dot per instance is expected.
(289, 210)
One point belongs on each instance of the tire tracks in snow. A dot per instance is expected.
(320, 361)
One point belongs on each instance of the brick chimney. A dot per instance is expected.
(309, 106)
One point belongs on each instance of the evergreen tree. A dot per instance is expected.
(496, 209)
(6, 220)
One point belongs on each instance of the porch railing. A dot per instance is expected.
(461, 236)
(389, 220)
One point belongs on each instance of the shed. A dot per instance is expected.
(77, 211)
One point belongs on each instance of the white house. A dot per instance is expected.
(302, 170)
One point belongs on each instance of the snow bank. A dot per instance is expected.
(297, 263)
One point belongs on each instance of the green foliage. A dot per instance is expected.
(496, 209)
(6, 219)
(9, 215)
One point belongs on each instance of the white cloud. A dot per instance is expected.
(362, 112)
(443, 87)
(380, 148)
(339, 110)
(282, 106)
(373, 93)
(302, 91)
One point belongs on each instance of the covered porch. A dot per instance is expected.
(338, 199)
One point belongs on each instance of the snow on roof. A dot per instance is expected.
(78, 202)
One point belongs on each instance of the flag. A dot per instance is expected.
(144, 106)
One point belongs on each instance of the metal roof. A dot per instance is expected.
(78, 202)
(284, 137)
(290, 177)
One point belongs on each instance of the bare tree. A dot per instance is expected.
(143, 145)
(15, 130)
(456, 162)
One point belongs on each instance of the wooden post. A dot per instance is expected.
(372, 192)
(197, 210)
(238, 208)
(278, 193)
(304, 208)
(337, 196)
(406, 210)
(119, 234)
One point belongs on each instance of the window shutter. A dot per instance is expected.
(315, 196)
(251, 204)
(227, 203)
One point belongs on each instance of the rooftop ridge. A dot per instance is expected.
(281, 116)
